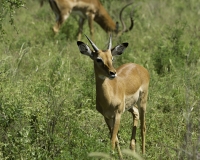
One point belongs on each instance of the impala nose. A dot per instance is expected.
(112, 74)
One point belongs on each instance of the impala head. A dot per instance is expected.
(102, 58)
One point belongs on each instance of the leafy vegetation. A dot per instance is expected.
(47, 93)
(8, 8)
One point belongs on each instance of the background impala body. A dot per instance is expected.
(86, 9)
(117, 90)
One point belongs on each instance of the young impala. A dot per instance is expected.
(117, 90)
(92, 10)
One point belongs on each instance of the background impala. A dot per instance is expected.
(92, 10)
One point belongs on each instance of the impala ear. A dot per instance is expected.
(119, 49)
(84, 49)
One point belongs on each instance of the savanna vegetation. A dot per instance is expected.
(47, 91)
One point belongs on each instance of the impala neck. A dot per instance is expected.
(104, 20)
(101, 88)
(102, 82)
(98, 77)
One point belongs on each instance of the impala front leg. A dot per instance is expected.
(114, 138)
(60, 17)
(113, 128)
(110, 124)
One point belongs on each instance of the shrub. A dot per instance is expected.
(170, 52)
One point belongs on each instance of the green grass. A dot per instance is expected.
(47, 88)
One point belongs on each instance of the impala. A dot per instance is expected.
(87, 9)
(117, 90)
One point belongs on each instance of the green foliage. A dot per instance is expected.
(69, 30)
(8, 7)
(47, 88)
(170, 52)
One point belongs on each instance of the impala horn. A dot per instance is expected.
(131, 18)
(110, 43)
(93, 45)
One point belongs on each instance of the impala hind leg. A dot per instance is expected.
(135, 113)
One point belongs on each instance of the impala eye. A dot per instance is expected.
(99, 60)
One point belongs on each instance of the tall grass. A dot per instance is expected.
(47, 91)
